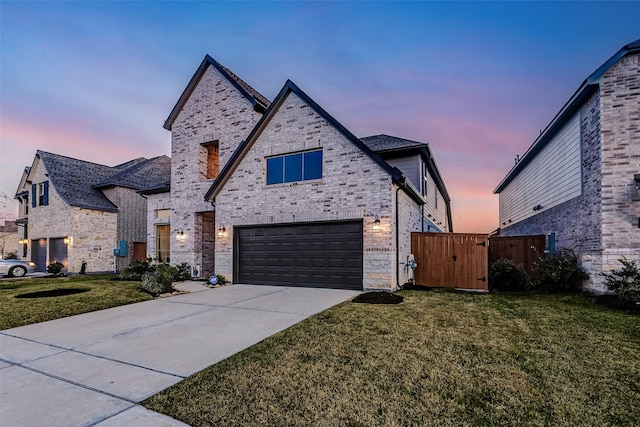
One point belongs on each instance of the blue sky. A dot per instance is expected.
(96, 80)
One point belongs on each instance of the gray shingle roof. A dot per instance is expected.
(380, 143)
(142, 175)
(77, 182)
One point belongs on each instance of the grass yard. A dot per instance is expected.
(439, 358)
(102, 293)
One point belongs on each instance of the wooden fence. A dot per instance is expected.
(519, 249)
(451, 260)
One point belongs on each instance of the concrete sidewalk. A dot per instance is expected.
(93, 369)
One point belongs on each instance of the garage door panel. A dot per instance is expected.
(318, 254)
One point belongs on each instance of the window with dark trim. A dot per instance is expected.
(40, 194)
(294, 167)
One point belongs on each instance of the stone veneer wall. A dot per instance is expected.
(92, 232)
(352, 187)
(132, 220)
(216, 110)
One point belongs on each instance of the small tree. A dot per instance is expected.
(625, 281)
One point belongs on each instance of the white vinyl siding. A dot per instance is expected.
(551, 178)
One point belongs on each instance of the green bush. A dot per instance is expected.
(559, 271)
(11, 255)
(221, 279)
(159, 281)
(182, 272)
(55, 268)
(505, 275)
(625, 282)
(136, 270)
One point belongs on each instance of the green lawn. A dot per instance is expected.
(439, 358)
(102, 293)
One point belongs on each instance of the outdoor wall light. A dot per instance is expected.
(66, 240)
(24, 241)
(222, 231)
(538, 207)
(180, 236)
(376, 225)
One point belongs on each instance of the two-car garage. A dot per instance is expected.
(316, 254)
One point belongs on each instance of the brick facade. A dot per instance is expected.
(215, 111)
(353, 186)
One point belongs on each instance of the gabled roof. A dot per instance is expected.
(259, 102)
(78, 182)
(586, 89)
(288, 88)
(142, 175)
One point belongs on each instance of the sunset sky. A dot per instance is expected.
(477, 81)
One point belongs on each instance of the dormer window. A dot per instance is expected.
(294, 167)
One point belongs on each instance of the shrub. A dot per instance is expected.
(221, 279)
(625, 282)
(559, 271)
(135, 270)
(11, 255)
(159, 281)
(182, 272)
(55, 268)
(505, 275)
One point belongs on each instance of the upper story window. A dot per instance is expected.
(294, 167)
(40, 194)
(210, 153)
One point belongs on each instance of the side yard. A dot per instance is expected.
(438, 358)
(85, 293)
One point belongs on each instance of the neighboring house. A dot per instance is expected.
(73, 211)
(8, 238)
(579, 182)
(281, 193)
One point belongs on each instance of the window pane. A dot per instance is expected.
(293, 168)
(313, 165)
(274, 170)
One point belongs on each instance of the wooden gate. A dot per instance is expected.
(519, 249)
(451, 260)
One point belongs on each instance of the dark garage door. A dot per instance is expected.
(39, 253)
(58, 252)
(321, 254)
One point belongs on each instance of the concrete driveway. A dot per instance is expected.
(93, 369)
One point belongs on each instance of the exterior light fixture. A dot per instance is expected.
(180, 236)
(24, 241)
(66, 240)
(222, 231)
(376, 225)
(538, 207)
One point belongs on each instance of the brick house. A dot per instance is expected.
(73, 211)
(579, 181)
(270, 177)
(216, 111)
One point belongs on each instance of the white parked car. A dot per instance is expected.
(16, 267)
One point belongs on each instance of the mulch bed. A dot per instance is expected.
(613, 302)
(53, 293)
(412, 287)
(378, 298)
